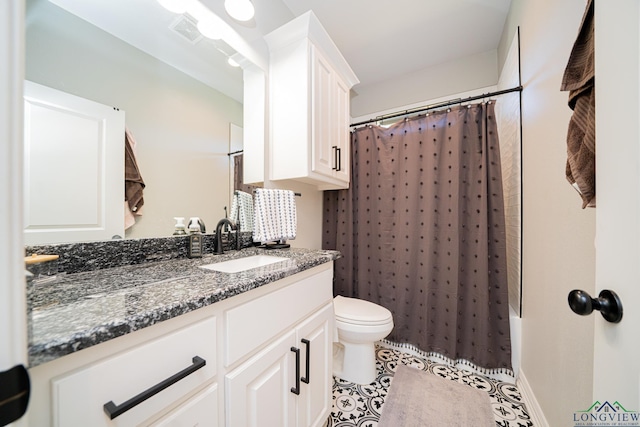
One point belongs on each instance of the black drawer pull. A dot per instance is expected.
(306, 342)
(296, 389)
(113, 411)
(339, 161)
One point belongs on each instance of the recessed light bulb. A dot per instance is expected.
(233, 63)
(242, 10)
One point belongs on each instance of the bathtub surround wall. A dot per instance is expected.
(422, 232)
(558, 236)
(509, 126)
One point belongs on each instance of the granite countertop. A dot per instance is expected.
(79, 310)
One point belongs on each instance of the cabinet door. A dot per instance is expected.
(341, 134)
(314, 402)
(258, 392)
(322, 134)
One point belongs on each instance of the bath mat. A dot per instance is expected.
(420, 399)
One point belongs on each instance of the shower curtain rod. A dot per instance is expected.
(438, 105)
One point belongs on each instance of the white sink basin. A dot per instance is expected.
(243, 264)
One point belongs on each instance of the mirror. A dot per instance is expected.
(180, 115)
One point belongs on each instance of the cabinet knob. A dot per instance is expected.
(608, 303)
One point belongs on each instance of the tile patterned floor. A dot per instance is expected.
(360, 406)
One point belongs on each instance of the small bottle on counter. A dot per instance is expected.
(196, 240)
(180, 228)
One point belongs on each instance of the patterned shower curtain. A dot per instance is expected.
(421, 231)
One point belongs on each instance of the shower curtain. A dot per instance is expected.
(421, 230)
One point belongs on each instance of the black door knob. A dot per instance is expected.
(608, 303)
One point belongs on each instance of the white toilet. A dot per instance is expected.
(360, 324)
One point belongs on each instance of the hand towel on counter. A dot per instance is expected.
(579, 80)
(242, 210)
(133, 182)
(274, 215)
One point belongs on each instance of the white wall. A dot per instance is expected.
(308, 211)
(441, 80)
(181, 125)
(558, 236)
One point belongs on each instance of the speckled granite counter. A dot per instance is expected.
(79, 310)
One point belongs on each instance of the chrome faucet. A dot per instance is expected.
(218, 245)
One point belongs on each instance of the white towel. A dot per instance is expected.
(274, 215)
(242, 209)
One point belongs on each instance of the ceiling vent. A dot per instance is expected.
(187, 28)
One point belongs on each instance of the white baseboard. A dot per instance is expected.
(537, 416)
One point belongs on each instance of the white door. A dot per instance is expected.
(74, 168)
(617, 347)
(13, 335)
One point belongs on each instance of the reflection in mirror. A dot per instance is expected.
(181, 125)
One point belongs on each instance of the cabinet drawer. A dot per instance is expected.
(78, 398)
(201, 410)
(256, 322)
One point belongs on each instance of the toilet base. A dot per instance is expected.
(355, 363)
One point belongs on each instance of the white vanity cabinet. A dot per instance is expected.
(309, 84)
(246, 343)
(288, 382)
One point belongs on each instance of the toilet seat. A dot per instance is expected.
(359, 312)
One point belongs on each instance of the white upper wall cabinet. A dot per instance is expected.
(309, 84)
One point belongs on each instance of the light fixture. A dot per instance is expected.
(233, 63)
(175, 6)
(210, 27)
(241, 10)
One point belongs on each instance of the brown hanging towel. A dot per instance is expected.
(579, 80)
(133, 182)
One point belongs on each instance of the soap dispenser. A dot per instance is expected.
(196, 243)
(180, 228)
(195, 221)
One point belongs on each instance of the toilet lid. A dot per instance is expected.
(354, 310)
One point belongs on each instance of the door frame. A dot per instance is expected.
(13, 319)
(616, 372)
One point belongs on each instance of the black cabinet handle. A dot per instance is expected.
(306, 342)
(339, 161)
(296, 389)
(113, 411)
(334, 148)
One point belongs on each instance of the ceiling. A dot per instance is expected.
(381, 40)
